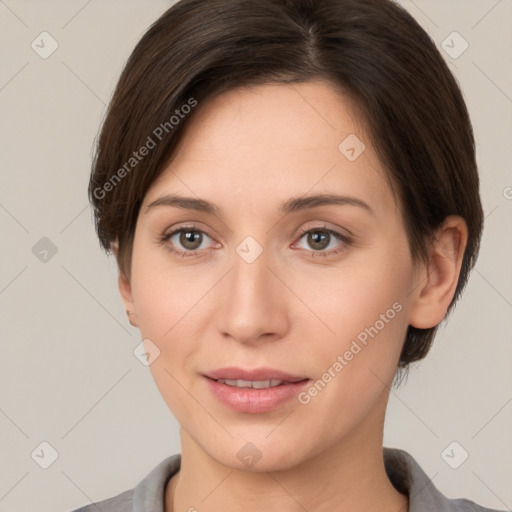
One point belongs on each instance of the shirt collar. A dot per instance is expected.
(408, 477)
(402, 469)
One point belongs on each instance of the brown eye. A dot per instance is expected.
(190, 239)
(319, 239)
(185, 241)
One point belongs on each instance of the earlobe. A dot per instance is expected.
(439, 276)
(126, 294)
(125, 288)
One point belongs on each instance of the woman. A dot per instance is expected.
(291, 192)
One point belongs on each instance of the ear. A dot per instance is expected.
(437, 278)
(125, 290)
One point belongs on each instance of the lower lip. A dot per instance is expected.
(255, 400)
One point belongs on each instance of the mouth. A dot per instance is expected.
(255, 374)
(255, 384)
(254, 391)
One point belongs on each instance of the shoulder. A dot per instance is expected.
(463, 505)
(121, 503)
(148, 494)
(409, 478)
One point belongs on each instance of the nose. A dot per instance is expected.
(252, 301)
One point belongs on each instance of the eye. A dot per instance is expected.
(189, 238)
(192, 240)
(322, 237)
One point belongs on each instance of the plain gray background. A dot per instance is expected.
(68, 375)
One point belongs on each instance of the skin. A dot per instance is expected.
(248, 151)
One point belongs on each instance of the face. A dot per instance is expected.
(314, 293)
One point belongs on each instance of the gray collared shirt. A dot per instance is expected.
(402, 469)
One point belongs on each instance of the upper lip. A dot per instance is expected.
(254, 374)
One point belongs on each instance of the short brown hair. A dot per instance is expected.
(372, 50)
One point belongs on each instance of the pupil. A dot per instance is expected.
(319, 239)
(188, 237)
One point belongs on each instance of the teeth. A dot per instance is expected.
(257, 384)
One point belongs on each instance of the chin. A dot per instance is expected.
(259, 455)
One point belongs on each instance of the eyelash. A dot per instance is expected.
(185, 254)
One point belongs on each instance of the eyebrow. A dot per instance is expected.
(293, 204)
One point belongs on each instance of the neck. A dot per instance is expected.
(349, 475)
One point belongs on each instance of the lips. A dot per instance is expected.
(255, 384)
(256, 374)
(254, 391)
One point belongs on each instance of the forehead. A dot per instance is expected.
(262, 144)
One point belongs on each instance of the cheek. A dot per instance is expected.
(372, 292)
(364, 322)
(162, 292)
(170, 303)
(169, 316)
